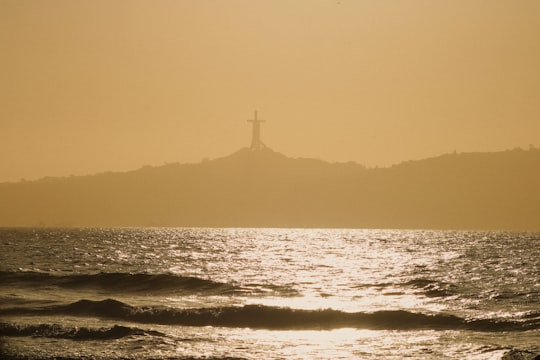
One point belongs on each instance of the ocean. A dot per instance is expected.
(207, 293)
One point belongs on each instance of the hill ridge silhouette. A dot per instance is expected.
(264, 188)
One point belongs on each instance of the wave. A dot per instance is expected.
(56, 357)
(73, 333)
(120, 282)
(517, 354)
(433, 288)
(140, 283)
(269, 317)
(429, 287)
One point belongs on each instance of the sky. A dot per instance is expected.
(109, 85)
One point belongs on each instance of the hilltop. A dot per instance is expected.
(267, 189)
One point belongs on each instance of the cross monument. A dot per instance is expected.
(256, 143)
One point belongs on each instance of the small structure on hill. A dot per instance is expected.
(256, 143)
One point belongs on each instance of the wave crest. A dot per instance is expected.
(120, 282)
(73, 333)
(269, 317)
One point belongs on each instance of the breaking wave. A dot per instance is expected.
(73, 333)
(121, 282)
(269, 317)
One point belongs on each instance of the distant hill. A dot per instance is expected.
(267, 189)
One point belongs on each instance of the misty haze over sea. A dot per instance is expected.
(189, 292)
(266, 251)
(216, 288)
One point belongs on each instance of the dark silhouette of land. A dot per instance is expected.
(263, 188)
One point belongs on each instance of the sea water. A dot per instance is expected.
(190, 293)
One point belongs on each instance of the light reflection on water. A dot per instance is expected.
(468, 274)
(353, 270)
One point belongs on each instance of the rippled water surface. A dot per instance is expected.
(271, 293)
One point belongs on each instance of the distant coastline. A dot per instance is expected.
(263, 188)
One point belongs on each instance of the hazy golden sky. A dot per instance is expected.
(90, 86)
